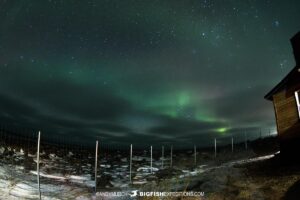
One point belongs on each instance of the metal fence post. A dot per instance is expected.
(195, 154)
(96, 165)
(171, 157)
(38, 164)
(215, 147)
(151, 159)
(246, 145)
(162, 156)
(130, 167)
(231, 144)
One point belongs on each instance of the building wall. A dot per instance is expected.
(286, 112)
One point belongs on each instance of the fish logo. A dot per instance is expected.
(134, 193)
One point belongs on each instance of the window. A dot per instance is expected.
(297, 96)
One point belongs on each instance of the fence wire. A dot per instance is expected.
(67, 164)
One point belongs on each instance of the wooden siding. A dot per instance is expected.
(286, 111)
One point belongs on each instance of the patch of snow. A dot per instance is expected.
(147, 169)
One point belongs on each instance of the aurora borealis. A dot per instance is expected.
(143, 71)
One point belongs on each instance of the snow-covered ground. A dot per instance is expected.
(16, 183)
(60, 177)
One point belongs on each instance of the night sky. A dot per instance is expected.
(143, 71)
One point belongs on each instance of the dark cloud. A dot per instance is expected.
(246, 106)
(177, 127)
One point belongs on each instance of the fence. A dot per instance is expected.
(95, 168)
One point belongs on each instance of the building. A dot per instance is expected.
(286, 100)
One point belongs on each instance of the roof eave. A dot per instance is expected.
(279, 86)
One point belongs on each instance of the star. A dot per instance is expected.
(173, 68)
(276, 23)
